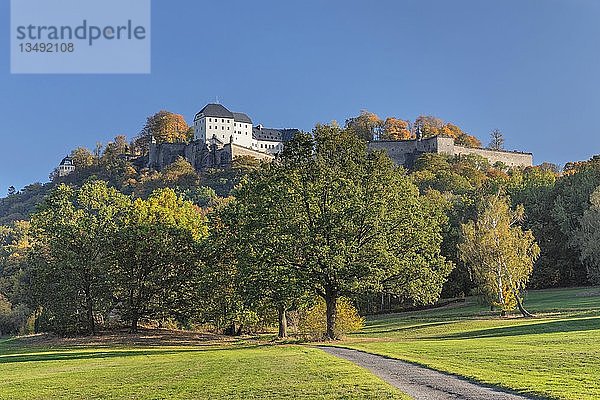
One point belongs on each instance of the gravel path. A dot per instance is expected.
(419, 382)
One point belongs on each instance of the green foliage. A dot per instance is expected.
(499, 253)
(350, 219)
(155, 266)
(20, 206)
(72, 248)
(13, 319)
(589, 238)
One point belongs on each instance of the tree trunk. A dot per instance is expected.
(282, 322)
(36, 321)
(134, 321)
(90, 312)
(522, 309)
(232, 329)
(331, 302)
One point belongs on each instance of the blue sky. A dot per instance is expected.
(528, 67)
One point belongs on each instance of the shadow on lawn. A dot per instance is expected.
(379, 329)
(99, 354)
(573, 325)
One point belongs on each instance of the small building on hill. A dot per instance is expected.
(65, 167)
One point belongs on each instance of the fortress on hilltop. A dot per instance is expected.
(221, 135)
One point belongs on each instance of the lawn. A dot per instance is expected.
(556, 355)
(188, 372)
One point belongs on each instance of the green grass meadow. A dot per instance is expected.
(556, 355)
(231, 372)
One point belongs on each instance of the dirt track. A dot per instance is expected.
(419, 382)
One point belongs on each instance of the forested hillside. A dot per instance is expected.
(327, 225)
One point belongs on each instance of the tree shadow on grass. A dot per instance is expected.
(373, 330)
(100, 354)
(535, 328)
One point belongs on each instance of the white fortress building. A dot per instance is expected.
(220, 136)
(216, 125)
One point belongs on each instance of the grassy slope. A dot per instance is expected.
(268, 372)
(556, 355)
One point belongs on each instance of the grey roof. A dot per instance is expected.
(214, 110)
(241, 117)
(67, 161)
(273, 135)
(288, 134)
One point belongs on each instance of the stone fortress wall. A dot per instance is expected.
(201, 155)
(405, 152)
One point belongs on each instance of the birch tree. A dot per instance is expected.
(499, 253)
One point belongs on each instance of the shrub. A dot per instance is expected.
(13, 319)
(313, 320)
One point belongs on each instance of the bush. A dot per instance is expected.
(313, 320)
(13, 320)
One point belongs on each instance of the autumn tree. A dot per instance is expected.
(395, 129)
(499, 252)
(428, 125)
(367, 125)
(82, 158)
(163, 127)
(432, 126)
(496, 140)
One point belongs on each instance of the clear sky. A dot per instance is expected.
(528, 67)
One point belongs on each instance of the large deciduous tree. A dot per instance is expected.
(72, 237)
(499, 252)
(157, 257)
(267, 263)
(354, 222)
(589, 236)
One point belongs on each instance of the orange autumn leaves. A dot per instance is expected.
(370, 126)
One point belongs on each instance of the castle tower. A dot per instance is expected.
(216, 120)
